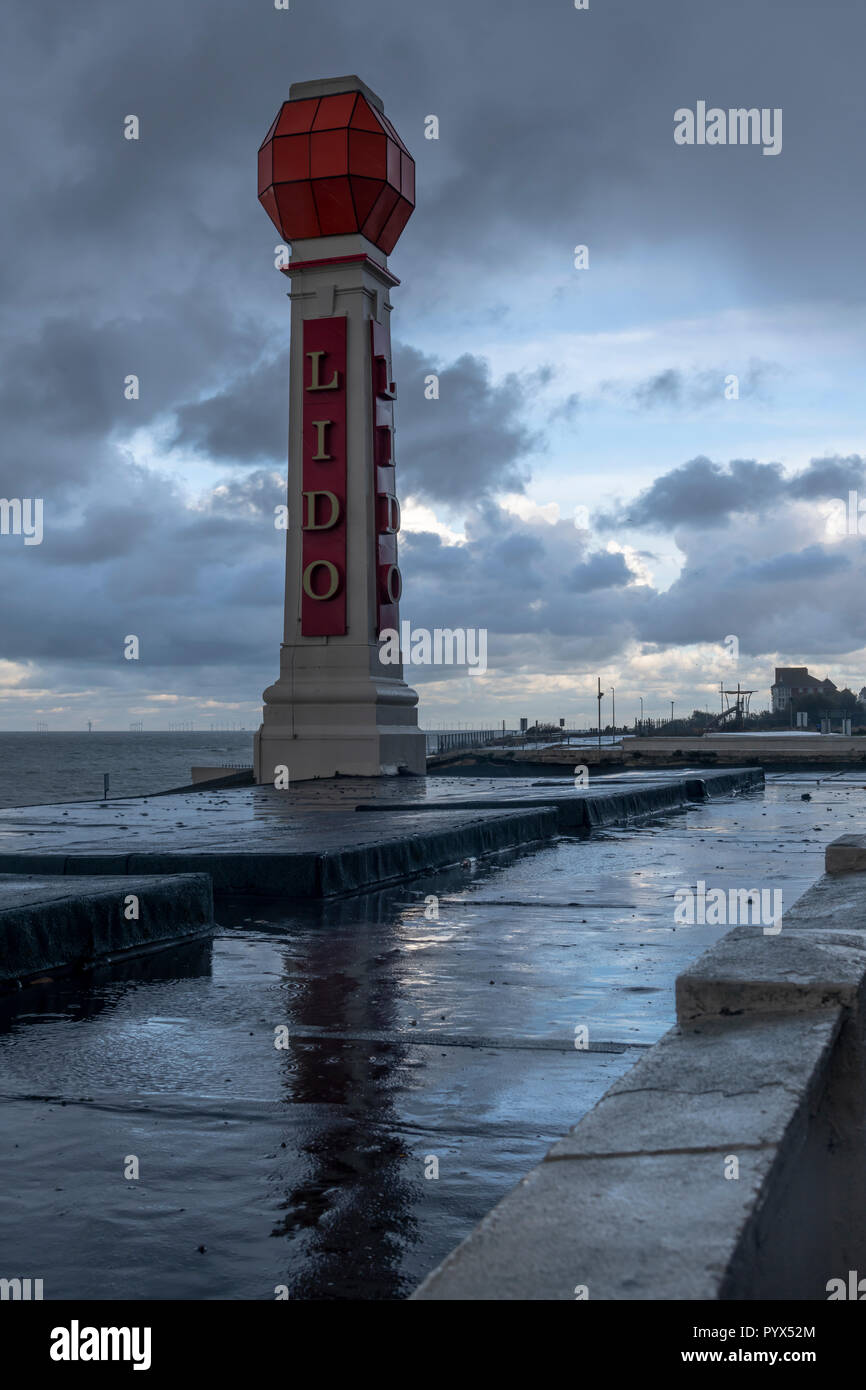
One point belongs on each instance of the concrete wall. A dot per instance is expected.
(733, 748)
(764, 1076)
(52, 925)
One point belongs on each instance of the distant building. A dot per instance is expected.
(792, 682)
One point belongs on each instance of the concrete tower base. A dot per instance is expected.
(356, 727)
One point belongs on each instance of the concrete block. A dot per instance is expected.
(726, 1086)
(661, 1226)
(846, 855)
(836, 903)
(749, 973)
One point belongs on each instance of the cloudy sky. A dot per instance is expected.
(584, 488)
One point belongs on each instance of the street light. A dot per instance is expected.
(640, 697)
(613, 710)
(599, 697)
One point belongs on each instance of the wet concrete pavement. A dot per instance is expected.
(308, 841)
(408, 1038)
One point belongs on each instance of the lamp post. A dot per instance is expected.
(599, 697)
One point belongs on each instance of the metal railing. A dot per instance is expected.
(448, 741)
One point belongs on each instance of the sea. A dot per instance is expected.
(42, 768)
(39, 768)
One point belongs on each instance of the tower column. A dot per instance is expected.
(336, 706)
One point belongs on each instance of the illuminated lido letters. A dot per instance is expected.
(324, 480)
(333, 580)
(389, 514)
(390, 584)
(321, 455)
(315, 384)
(310, 522)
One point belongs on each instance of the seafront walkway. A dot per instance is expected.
(287, 1081)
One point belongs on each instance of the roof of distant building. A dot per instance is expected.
(800, 676)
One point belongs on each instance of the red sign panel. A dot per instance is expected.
(323, 471)
(388, 581)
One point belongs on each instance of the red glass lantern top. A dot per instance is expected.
(334, 164)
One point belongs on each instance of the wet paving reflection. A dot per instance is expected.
(434, 1020)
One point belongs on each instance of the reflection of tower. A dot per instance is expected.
(339, 184)
(353, 1208)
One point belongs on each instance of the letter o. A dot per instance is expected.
(307, 581)
(392, 584)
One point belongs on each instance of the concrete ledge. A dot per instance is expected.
(791, 973)
(818, 959)
(308, 873)
(634, 1202)
(730, 1162)
(701, 1085)
(847, 855)
(53, 925)
(311, 843)
(348, 870)
(597, 806)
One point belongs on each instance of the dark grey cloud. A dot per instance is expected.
(202, 589)
(602, 571)
(829, 477)
(245, 422)
(153, 257)
(195, 585)
(704, 493)
(525, 583)
(675, 388)
(469, 443)
(772, 599)
(811, 563)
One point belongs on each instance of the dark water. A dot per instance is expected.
(409, 1038)
(40, 768)
(36, 769)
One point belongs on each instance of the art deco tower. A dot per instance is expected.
(339, 185)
